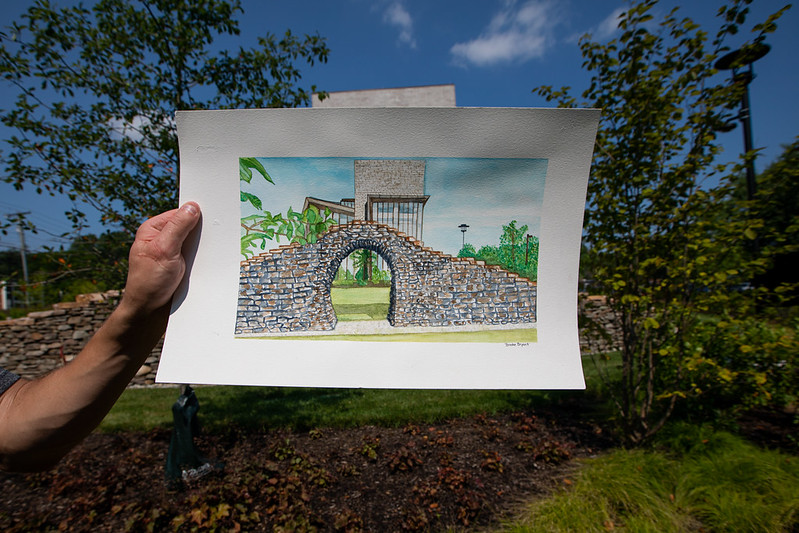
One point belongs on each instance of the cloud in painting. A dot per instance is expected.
(515, 33)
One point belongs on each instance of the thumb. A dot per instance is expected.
(179, 226)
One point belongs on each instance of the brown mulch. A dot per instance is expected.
(463, 473)
(775, 429)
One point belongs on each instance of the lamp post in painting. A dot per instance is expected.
(527, 251)
(463, 228)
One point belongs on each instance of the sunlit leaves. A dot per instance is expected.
(97, 89)
(665, 242)
(297, 227)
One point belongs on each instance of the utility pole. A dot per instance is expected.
(22, 252)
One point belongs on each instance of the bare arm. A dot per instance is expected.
(41, 420)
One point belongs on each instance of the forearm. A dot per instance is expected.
(42, 420)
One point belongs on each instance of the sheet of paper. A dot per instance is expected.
(327, 255)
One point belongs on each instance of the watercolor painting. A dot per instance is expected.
(435, 249)
(381, 248)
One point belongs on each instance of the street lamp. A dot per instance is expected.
(527, 251)
(463, 228)
(734, 61)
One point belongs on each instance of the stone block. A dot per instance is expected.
(80, 335)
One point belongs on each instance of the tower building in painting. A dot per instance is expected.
(387, 191)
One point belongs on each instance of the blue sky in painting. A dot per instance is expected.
(483, 193)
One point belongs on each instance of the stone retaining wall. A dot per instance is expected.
(34, 345)
(599, 331)
(288, 289)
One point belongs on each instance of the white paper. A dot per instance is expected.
(202, 346)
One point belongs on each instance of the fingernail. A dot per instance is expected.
(191, 209)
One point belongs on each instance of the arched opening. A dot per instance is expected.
(362, 286)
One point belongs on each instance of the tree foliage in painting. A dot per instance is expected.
(665, 244)
(300, 227)
(97, 88)
(365, 263)
(517, 251)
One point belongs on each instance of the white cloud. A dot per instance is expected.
(610, 25)
(514, 34)
(134, 129)
(396, 15)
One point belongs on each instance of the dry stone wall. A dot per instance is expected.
(34, 345)
(288, 289)
(599, 329)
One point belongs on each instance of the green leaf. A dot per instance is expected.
(651, 323)
(254, 200)
(250, 239)
(247, 165)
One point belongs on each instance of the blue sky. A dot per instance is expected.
(485, 194)
(494, 52)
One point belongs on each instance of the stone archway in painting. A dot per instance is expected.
(287, 289)
(335, 259)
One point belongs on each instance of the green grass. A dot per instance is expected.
(703, 479)
(360, 295)
(299, 408)
(260, 408)
(360, 303)
(141, 410)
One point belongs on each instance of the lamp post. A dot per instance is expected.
(735, 61)
(527, 251)
(463, 228)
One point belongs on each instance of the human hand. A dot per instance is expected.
(156, 264)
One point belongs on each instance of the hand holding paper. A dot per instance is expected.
(156, 262)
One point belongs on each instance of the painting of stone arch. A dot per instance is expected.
(452, 243)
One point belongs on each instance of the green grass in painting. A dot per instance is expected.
(360, 303)
(350, 317)
(360, 295)
(719, 483)
(493, 336)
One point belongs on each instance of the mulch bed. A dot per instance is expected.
(463, 473)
